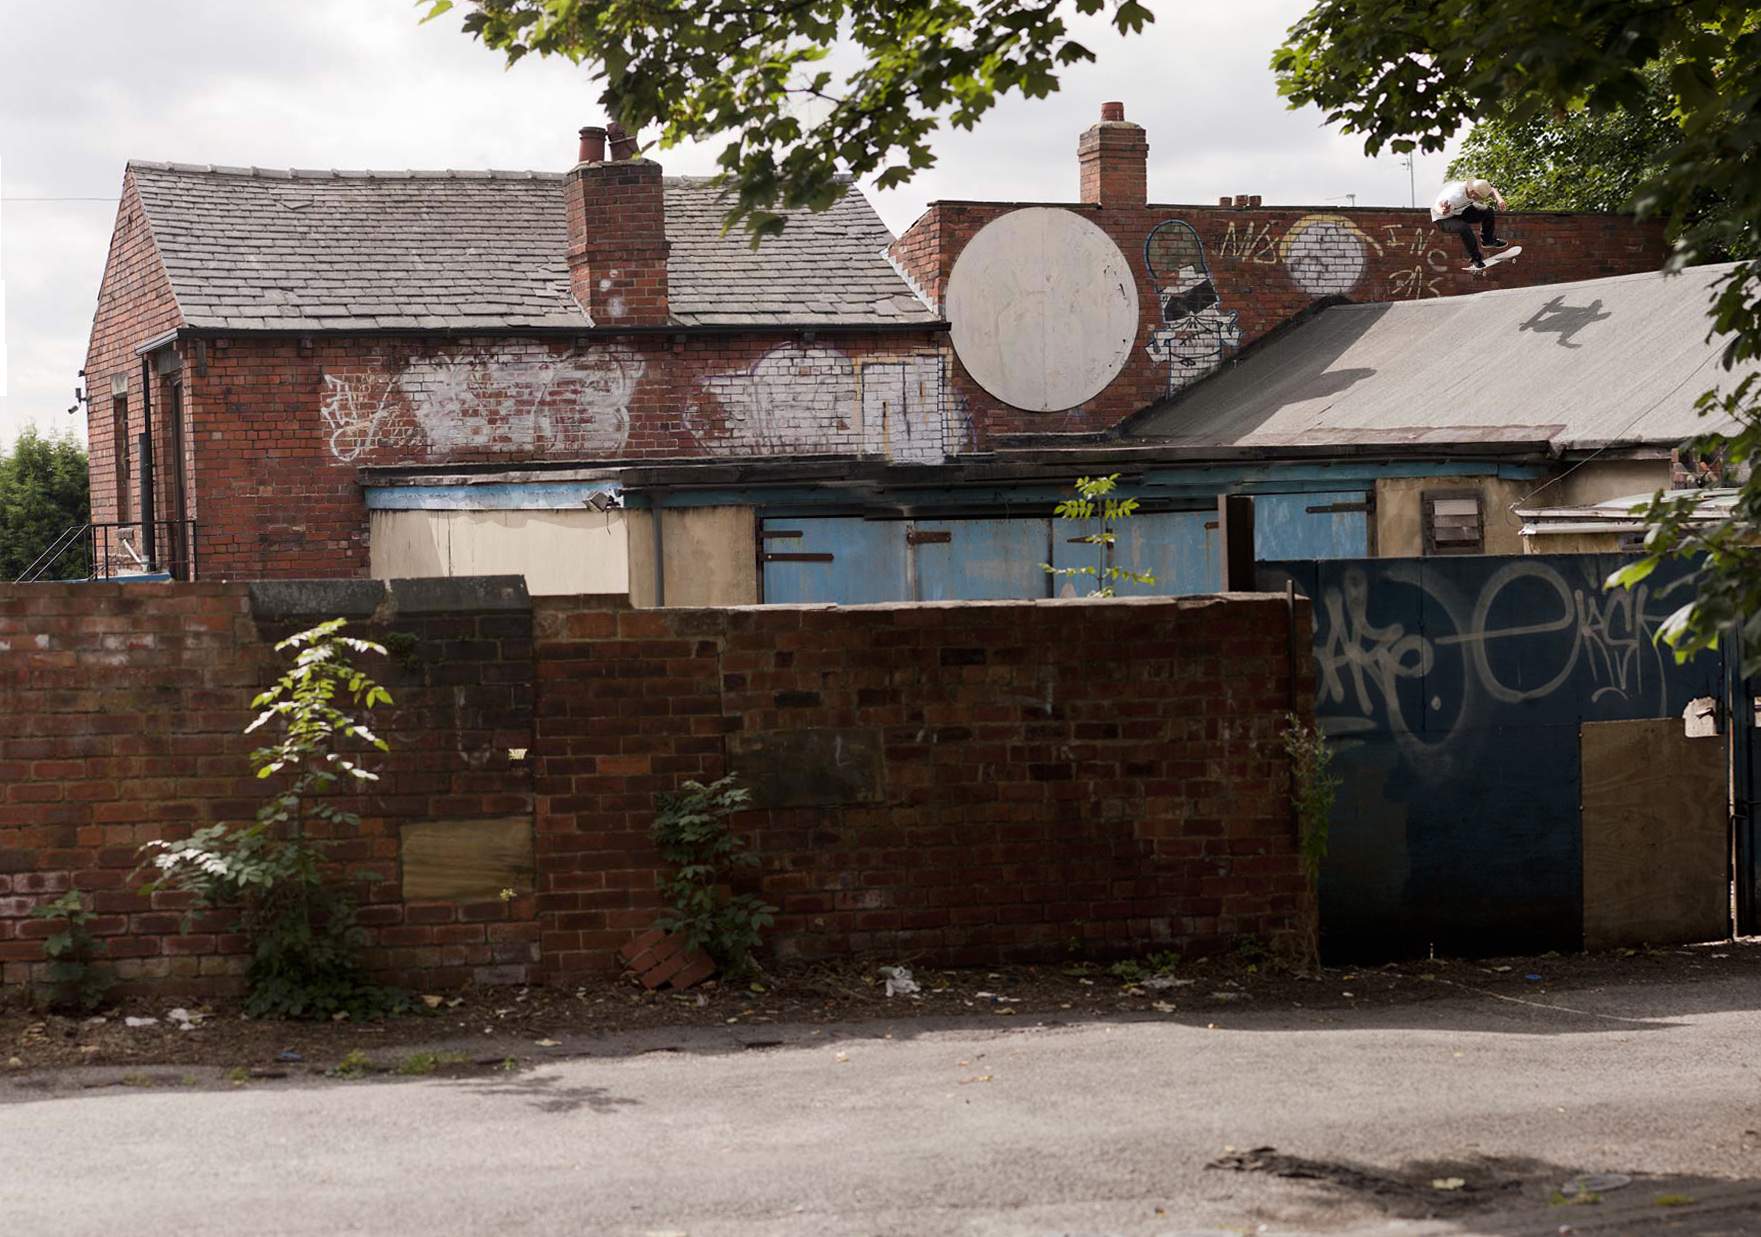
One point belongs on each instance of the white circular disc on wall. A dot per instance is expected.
(1325, 254)
(1043, 309)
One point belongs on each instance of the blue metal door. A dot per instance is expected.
(1178, 548)
(978, 560)
(1293, 526)
(847, 560)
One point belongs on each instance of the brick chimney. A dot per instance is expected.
(1114, 157)
(617, 232)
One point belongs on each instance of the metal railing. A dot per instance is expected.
(165, 548)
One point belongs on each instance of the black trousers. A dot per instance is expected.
(1463, 226)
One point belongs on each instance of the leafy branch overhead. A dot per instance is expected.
(761, 76)
(1409, 74)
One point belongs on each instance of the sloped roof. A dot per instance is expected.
(1579, 365)
(263, 249)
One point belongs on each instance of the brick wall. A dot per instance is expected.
(1025, 773)
(134, 305)
(282, 427)
(1266, 265)
(125, 706)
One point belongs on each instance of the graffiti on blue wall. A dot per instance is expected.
(1454, 690)
(1522, 633)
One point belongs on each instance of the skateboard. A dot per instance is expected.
(1503, 255)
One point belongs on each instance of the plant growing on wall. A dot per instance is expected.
(1094, 497)
(305, 944)
(74, 980)
(695, 839)
(1313, 788)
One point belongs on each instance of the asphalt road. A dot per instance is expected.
(1092, 1127)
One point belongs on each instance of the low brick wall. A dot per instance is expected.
(963, 782)
(124, 708)
(1017, 775)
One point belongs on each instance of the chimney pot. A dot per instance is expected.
(1112, 111)
(623, 146)
(592, 145)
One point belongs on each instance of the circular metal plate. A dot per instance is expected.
(1043, 309)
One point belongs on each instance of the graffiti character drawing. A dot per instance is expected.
(1196, 331)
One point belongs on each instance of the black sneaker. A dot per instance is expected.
(1478, 265)
(1493, 244)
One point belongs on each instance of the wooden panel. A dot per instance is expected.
(1655, 818)
(559, 552)
(467, 860)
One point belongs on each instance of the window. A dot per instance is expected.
(1453, 522)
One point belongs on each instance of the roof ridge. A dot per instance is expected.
(681, 180)
(261, 173)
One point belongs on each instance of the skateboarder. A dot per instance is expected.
(1460, 206)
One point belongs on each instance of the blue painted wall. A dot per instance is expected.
(1453, 689)
(978, 559)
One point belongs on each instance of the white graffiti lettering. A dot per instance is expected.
(803, 400)
(1565, 630)
(517, 397)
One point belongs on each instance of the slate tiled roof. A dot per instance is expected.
(261, 249)
(826, 267)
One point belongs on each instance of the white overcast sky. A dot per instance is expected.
(362, 84)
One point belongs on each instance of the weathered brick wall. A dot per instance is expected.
(134, 305)
(1030, 773)
(1266, 265)
(1040, 772)
(125, 706)
(282, 428)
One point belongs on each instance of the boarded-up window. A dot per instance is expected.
(1453, 522)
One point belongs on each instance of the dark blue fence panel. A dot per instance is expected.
(1453, 689)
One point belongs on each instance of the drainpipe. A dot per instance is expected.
(149, 538)
(659, 549)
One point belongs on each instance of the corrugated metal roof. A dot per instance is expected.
(268, 249)
(1605, 361)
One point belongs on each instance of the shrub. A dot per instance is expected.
(695, 839)
(74, 981)
(304, 942)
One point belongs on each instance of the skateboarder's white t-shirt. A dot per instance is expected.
(1452, 199)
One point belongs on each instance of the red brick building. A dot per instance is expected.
(431, 373)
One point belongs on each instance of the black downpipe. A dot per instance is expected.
(149, 513)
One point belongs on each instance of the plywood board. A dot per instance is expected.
(1655, 822)
(466, 860)
(561, 553)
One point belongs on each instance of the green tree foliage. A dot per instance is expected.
(1578, 159)
(1575, 159)
(755, 75)
(43, 492)
(1409, 74)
